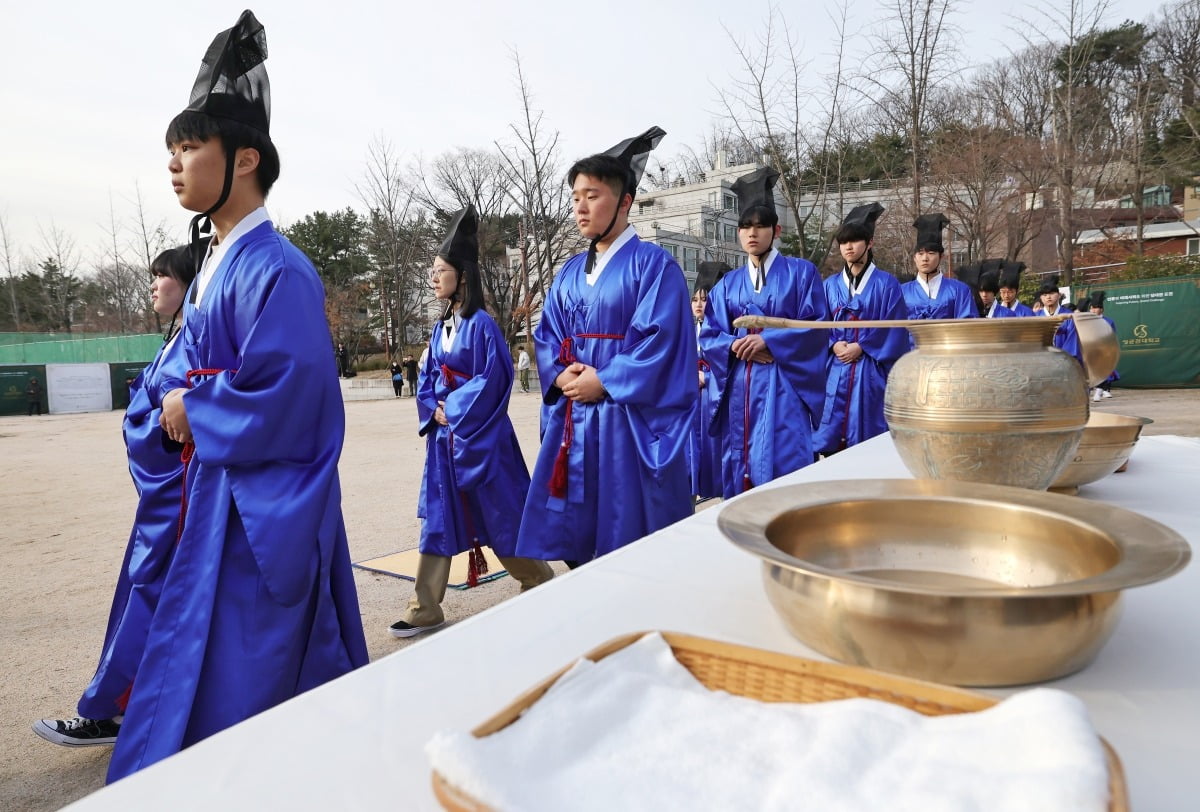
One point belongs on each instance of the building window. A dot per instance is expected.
(1193, 247)
(710, 230)
(671, 249)
(730, 202)
(645, 206)
(691, 256)
(728, 232)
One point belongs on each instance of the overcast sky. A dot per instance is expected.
(89, 87)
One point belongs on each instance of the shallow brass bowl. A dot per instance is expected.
(1108, 440)
(933, 579)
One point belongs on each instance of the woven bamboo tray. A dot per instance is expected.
(772, 677)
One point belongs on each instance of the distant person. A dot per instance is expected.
(260, 604)
(157, 472)
(475, 479)
(343, 359)
(772, 380)
(397, 378)
(1096, 308)
(523, 368)
(859, 359)
(33, 391)
(616, 355)
(933, 295)
(411, 367)
(989, 293)
(1010, 286)
(704, 451)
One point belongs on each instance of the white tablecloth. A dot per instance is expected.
(357, 743)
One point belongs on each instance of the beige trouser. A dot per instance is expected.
(433, 573)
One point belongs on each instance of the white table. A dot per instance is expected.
(357, 743)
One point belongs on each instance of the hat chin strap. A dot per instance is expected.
(591, 257)
(196, 227)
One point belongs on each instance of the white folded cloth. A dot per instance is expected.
(638, 731)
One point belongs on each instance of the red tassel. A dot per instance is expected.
(476, 565)
(122, 701)
(558, 478)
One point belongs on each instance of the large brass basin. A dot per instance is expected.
(933, 579)
(1108, 440)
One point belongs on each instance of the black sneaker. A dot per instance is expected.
(78, 732)
(402, 629)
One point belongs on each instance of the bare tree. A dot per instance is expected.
(147, 240)
(1073, 116)
(398, 242)
(120, 284)
(771, 107)
(60, 278)
(535, 185)
(10, 269)
(915, 59)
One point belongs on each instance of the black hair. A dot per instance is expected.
(607, 169)
(758, 216)
(190, 125)
(177, 263)
(852, 232)
(469, 290)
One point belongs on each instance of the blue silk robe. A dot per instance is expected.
(1000, 312)
(1066, 338)
(625, 465)
(954, 300)
(1022, 310)
(474, 463)
(768, 412)
(157, 472)
(854, 392)
(259, 603)
(704, 450)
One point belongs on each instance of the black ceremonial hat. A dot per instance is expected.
(859, 224)
(461, 246)
(755, 190)
(969, 274)
(1084, 304)
(989, 280)
(1010, 275)
(634, 152)
(708, 274)
(929, 231)
(232, 82)
(1098, 298)
(1049, 284)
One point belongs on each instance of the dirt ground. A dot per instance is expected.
(65, 510)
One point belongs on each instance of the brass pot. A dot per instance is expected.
(931, 580)
(1108, 440)
(986, 402)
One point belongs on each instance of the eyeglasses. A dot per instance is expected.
(435, 274)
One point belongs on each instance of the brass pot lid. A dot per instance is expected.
(1148, 550)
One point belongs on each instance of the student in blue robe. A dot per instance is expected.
(932, 295)
(259, 604)
(984, 280)
(859, 359)
(157, 473)
(616, 355)
(772, 380)
(704, 450)
(475, 480)
(1010, 285)
(1096, 308)
(1066, 338)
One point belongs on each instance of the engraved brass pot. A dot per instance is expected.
(986, 402)
(929, 579)
(1108, 440)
